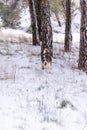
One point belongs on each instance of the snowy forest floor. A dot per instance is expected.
(36, 99)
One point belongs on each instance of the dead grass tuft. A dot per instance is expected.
(15, 38)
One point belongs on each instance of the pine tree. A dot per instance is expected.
(46, 34)
(38, 14)
(83, 37)
(9, 13)
(34, 21)
(68, 35)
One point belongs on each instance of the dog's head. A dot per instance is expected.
(46, 59)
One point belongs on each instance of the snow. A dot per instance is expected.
(32, 98)
(25, 19)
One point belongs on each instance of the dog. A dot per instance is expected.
(46, 59)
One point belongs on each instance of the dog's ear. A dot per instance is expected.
(46, 51)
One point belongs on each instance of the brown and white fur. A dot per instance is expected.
(46, 59)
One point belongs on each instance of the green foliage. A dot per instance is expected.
(8, 15)
(54, 5)
(1, 7)
(60, 7)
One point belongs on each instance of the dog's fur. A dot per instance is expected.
(46, 59)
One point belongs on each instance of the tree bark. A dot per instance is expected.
(68, 35)
(83, 37)
(34, 22)
(46, 34)
(38, 14)
(57, 17)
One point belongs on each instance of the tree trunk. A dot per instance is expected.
(34, 22)
(83, 37)
(57, 17)
(46, 34)
(38, 14)
(68, 35)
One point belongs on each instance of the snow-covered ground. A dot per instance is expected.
(32, 98)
